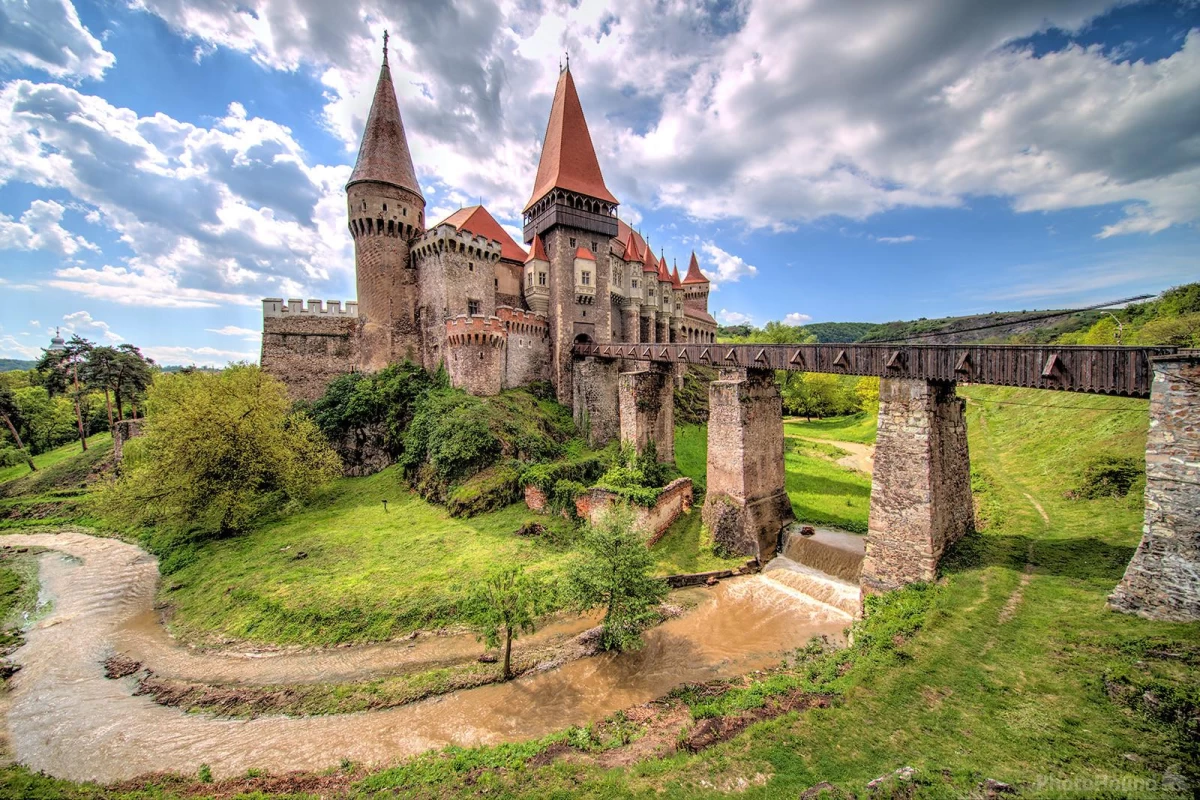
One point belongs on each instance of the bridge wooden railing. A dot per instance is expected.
(1097, 370)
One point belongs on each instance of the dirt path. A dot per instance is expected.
(858, 456)
(66, 719)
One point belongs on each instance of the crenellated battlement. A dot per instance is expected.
(447, 238)
(277, 307)
(520, 321)
(478, 330)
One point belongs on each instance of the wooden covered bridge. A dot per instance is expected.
(920, 494)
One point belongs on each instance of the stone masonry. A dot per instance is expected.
(1162, 580)
(307, 347)
(647, 410)
(746, 506)
(594, 400)
(921, 488)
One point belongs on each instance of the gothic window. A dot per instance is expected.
(473, 307)
(586, 278)
(635, 283)
(541, 279)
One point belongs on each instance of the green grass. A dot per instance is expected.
(50, 459)
(854, 428)
(686, 547)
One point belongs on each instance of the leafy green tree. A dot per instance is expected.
(10, 412)
(614, 573)
(382, 403)
(503, 606)
(219, 449)
(132, 377)
(99, 369)
(60, 375)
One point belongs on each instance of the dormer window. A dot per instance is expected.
(541, 279)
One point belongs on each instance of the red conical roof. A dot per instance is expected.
(383, 155)
(568, 158)
(477, 220)
(631, 248)
(538, 251)
(675, 277)
(649, 263)
(584, 253)
(694, 275)
(663, 275)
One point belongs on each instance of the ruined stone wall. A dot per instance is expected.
(567, 317)
(308, 350)
(920, 489)
(594, 400)
(1162, 580)
(475, 354)
(746, 505)
(647, 409)
(383, 220)
(122, 431)
(653, 521)
(527, 352)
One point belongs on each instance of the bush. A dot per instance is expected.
(582, 469)
(11, 457)
(449, 431)
(1108, 475)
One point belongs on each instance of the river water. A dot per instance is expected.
(66, 719)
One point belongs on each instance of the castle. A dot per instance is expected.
(461, 293)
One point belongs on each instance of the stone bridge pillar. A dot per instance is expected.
(1163, 579)
(647, 406)
(746, 506)
(921, 487)
(594, 399)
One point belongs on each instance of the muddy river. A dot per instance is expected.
(67, 719)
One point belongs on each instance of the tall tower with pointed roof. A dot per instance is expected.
(386, 213)
(571, 208)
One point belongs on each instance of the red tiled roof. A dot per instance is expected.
(477, 220)
(695, 313)
(649, 263)
(663, 275)
(383, 154)
(694, 275)
(568, 158)
(675, 277)
(538, 251)
(584, 253)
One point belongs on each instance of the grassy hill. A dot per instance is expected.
(13, 364)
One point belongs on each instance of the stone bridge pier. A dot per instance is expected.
(921, 488)
(594, 399)
(746, 506)
(1162, 580)
(646, 400)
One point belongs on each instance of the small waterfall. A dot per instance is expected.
(823, 567)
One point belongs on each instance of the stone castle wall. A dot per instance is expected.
(527, 352)
(1162, 580)
(475, 353)
(307, 347)
(594, 400)
(454, 268)
(653, 521)
(568, 318)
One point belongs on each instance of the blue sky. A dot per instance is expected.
(166, 164)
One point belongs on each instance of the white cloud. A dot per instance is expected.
(82, 323)
(47, 35)
(12, 347)
(733, 317)
(725, 267)
(29, 287)
(226, 214)
(797, 319)
(40, 228)
(233, 330)
(895, 239)
(170, 355)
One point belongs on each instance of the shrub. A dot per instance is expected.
(492, 489)
(1108, 475)
(356, 404)
(448, 431)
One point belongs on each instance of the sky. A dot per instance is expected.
(166, 164)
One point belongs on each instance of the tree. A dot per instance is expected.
(218, 450)
(505, 605)
(11, 414)
(60, 374)
(132, 378)
(614, 572)
(99, 371)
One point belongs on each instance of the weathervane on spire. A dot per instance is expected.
(385, 42)
(567, 53)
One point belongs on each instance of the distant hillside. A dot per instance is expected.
(10, 364)
(999, 326)
(840, 331)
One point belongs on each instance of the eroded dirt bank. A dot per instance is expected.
(68, 720)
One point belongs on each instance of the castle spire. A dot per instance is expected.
(568, 157)
(694, 275)
(383, 155)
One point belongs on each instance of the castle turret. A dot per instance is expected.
(695, 285)
(537, 278)
(386, 212)
(571, 209)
